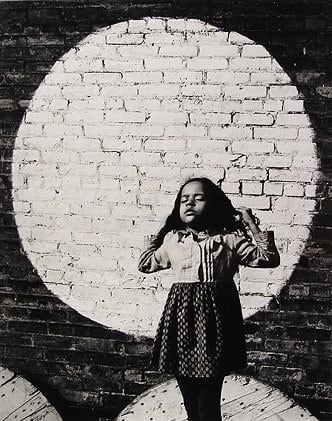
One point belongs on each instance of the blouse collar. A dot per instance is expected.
(202, 235)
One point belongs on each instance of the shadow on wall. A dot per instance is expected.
(89, 371)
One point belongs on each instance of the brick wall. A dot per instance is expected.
(98, 159)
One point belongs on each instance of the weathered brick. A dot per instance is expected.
(275, 133)
(227, 77)
(166, 118)
(255, 105)
(292, 119)
(162, 63)
(183, 76)
(142, 104)
(291, 105)
(84, 116)
(210, 118)
(199, 63)
(283, 92)
(219, 50)
(165, 145)
(253, 188)
(181, 25)
(75, 65)
(252, 147)
(254, 51)
(234, 174)
(273, 105)
(178, 51)
(158, 90)
(288, 175)
(293, 189)
(186, 131)
(62, 79)
(123, 38)
(230, 133)
(250, 64)
(120, 116)
(245, 92)
(102, 78)
(201, 90)
(256, 119)
(141, 77)
(164, 38)
(140, 51)
(295, 147)
(124, 65)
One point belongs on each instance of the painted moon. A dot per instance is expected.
(121, 120)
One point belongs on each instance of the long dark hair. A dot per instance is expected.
(221, 214)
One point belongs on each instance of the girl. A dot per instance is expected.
(200, 337)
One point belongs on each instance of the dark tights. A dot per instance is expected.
(201, 397)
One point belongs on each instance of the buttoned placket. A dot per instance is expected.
(201, 262)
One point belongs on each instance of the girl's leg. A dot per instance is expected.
(189, 387)
(209, 399)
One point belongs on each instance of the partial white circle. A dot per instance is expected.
(20, 400)
(117, 125)
(242, 398)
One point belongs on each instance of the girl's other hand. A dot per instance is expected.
(246, 215)
(249, 219)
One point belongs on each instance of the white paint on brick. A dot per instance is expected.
(75, 65)
(180, 51)
(20, 399)
(159, 90)
(134, 77)
(142, 104)
(250, 64)
(245, 92)
(252, 147)
(207, 63)
(216, 51)
(254, 119)
(283, 91)
(117, 65)
(241, 395)
(254, 188)
(293, 189)
(227, 77)
(186, 131)
(118, 124)
(188, 77)
(254, 51)
(292, 119)
(210, 118)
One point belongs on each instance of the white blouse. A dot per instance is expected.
(208, 258)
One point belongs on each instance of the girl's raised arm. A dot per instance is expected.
(262, 254)
(154, 256)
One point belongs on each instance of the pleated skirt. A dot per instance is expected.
(200, 333)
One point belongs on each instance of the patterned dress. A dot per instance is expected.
(200, 333)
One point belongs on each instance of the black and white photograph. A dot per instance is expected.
(166, 210)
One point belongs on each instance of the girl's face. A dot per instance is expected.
(193, 205)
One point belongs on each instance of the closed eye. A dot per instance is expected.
(199, 197)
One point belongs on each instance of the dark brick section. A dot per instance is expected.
(90, 372)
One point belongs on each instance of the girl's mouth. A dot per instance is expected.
(189, 212)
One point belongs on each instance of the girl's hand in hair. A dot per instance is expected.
(249, 219)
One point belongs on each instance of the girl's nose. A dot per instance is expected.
(190, 201)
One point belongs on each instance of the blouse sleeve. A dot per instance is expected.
(154, 258)
(262, 254)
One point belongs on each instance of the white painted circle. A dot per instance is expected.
(117, 125)
(20, 400)
(242, 398)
